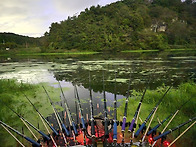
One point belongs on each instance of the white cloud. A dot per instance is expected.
(33, 17)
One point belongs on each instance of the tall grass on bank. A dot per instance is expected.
(172, 101)
(11, 95)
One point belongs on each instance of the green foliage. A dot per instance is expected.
(125, 25)
(10, 40)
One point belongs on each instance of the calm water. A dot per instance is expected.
(160, 67)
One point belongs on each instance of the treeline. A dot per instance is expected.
(11, 41)
(126, 24)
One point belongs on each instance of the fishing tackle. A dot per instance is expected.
(92, 120)
(131, 127)
(158, 125)
(115, 122)
(52, 128)
(125, 110)
(33, 142)
(58, 118)
(152, 112)
(105, 122)
(174, 114)
(72, 123)
(23, 119)
(173, 129)
(83, 126)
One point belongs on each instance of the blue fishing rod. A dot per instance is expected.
(158, 125)
(173, 129)
(115, 122)
(51, 127)
(45, 137)
(33, 142)
(125, 110)
(152, 112)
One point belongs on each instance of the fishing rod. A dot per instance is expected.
(152, 112)
(105, 122)
(133, 122)
(181, 134)
(24, 120)
(125, 110)
(81, 113)
(115, 114)
(33, 142)
(13, 135)
(173, 129)
(43, 119)
(54, 131)
(58, 118)
(159, 124)
(92, 120)
(72, 123)
(174, 114)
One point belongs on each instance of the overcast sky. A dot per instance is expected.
(33, 17)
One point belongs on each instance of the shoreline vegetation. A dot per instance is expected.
(11, 94)
(37, 52)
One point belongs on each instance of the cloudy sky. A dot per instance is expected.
(33, 17)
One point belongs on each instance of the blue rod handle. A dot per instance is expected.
(74, 128)
(65, 129)
(123, 124)
(44, 135)
(161, 135)
(153, 129)
(139, 130)
(115, 131)
(83, 124)
(131, 126)
(56, 133)
(32, 141)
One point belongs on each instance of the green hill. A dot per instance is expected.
(11, 40)
(125, 25)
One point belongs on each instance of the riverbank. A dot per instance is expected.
(37, 52)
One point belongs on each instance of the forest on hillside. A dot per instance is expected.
(125, 25)
(12, 41)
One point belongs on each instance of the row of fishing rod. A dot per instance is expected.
(71, 134)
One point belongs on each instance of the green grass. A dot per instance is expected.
(139, 51)
(11, 95)
(180, 49)
(64, 53)
(36, 51)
